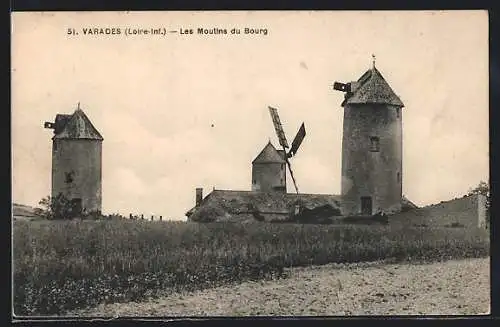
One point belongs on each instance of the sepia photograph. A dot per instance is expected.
(250, 163)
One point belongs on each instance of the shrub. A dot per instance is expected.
(61, 208)
(57, 208)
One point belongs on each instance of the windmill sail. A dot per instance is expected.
(291, 174)
(277, 126)
(297, 141)
(283, 142)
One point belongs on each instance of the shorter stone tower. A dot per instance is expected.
(77, 161)
(269, 170)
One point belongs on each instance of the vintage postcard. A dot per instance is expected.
(295, 163)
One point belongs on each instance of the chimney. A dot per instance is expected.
(199, 196)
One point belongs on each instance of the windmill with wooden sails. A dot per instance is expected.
(297, 141)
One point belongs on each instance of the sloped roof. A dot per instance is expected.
(75, 126)
(373, 88)
(269, 155)
(60, 122)
(228, 203)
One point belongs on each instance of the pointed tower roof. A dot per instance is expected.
(373, 88)
(269, 155)
(76, 126)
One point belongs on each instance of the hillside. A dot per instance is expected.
(23, 211)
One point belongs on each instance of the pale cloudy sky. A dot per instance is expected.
(186, 111)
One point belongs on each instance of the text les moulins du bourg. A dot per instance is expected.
(163, 31)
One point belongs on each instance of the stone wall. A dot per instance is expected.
(469, 211)
(267, 177)
(76, 171)
(366, 173)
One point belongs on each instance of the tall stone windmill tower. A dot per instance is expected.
(77, 161)
(371, 146)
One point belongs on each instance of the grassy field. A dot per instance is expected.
(60, 266)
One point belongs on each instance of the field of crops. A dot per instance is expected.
(60, 266)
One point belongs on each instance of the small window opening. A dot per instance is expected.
(68, 177)
(399, 177)
(254, 181)
(374, 144)
(397, 112)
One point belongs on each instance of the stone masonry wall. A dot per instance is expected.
(76, 171)
(469, 211)
(366, 173)
(267, 176)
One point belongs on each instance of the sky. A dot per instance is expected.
(185, 110)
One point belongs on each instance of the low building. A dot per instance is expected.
(245, 206)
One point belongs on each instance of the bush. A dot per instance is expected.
(57, 208)
(61, 208)
(64, 265)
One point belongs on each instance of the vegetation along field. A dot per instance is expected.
(65, 265)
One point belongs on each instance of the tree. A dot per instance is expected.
(483, 188)
(56, 208)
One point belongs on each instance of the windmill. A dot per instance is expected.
(299, 137)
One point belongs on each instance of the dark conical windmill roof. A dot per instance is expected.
(373, 88)
(269, 155)
(77, 126)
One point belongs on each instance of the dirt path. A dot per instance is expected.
(453, 287)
